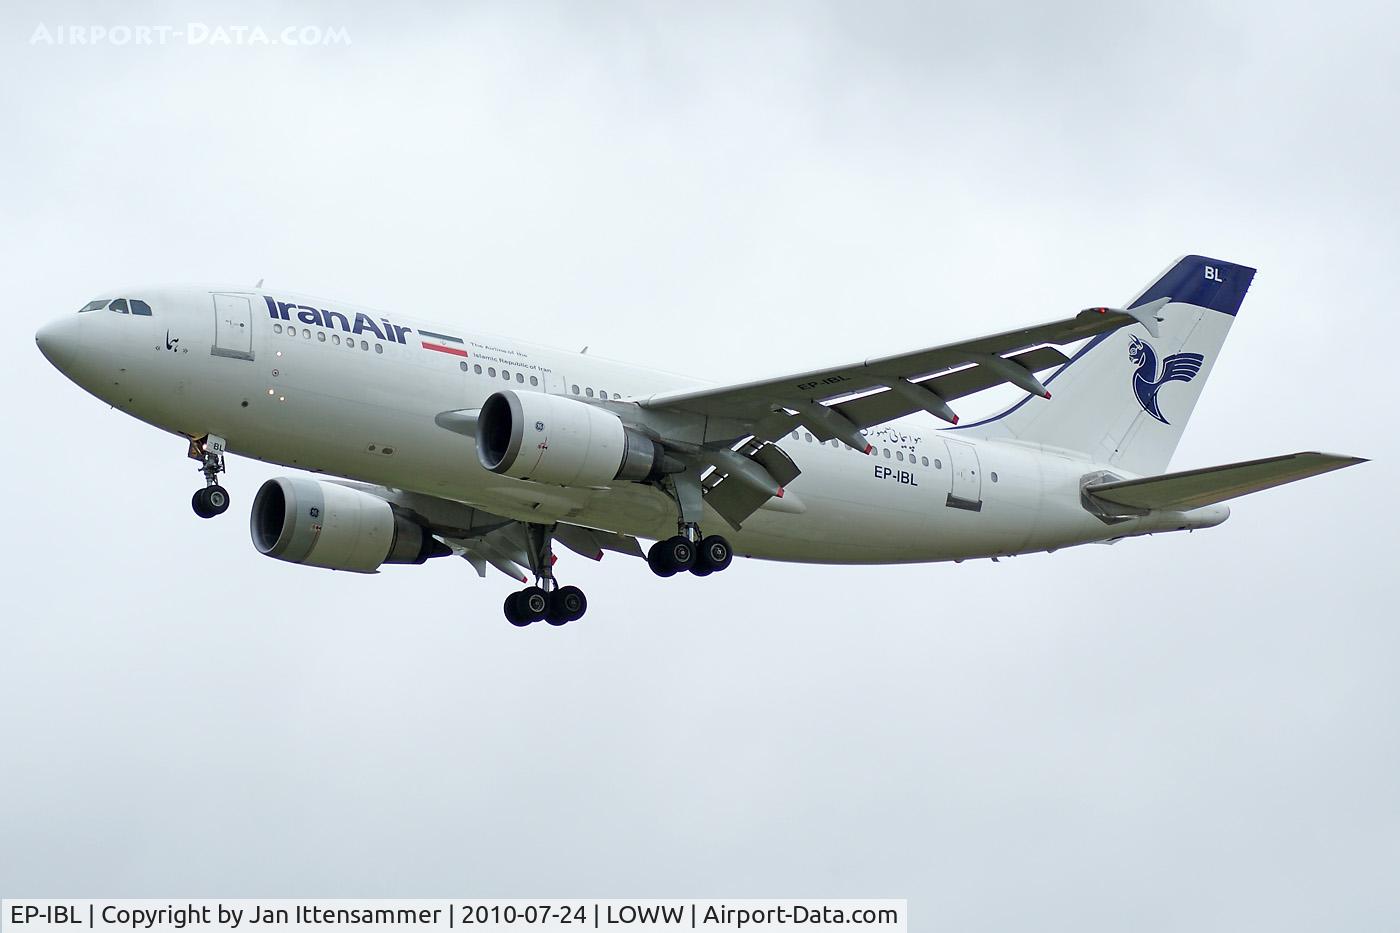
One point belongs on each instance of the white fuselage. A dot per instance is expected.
(314, 394)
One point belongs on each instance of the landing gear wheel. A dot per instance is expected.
(513, 613)
(532, 603)
(715, 553)
(566, 604)
(671, 556)
(217, 497)
(656, 560)
(210, 501)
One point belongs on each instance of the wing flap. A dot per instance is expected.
(592, 542)
(1193, 489)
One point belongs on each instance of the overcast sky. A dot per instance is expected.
(1186, 732)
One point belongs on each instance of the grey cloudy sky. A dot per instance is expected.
(1183, 732)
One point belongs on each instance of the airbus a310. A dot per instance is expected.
(449, 442)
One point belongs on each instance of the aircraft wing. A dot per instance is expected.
(838, 401)
(1193, 489)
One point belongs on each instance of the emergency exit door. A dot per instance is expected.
(233, 327)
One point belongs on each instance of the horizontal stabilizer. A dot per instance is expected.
(1194, 489)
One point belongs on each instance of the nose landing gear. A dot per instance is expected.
(212, 499)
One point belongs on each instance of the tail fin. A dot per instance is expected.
(1125, 397)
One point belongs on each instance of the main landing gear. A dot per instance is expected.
(708, 555)
(545, 600)
(689, 550)
(212, 499)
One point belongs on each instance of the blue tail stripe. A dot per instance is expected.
(1206, 283)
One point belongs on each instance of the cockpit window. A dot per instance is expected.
(94, 305)
(119, 306)
(140, 307)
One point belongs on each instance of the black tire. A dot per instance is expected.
(217, 499)
(566, 604)
(679, 554)
(656, 560)
(572, 597)
(532, 603)
(716, 553)
(200, 503)
(512, 614)
(701, 569)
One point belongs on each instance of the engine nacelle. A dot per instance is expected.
(305, 521)
(564, 442)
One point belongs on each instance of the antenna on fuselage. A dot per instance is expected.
(259, 285)
(584, 350)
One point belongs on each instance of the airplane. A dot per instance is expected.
(447, 442)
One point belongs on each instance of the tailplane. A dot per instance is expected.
(1195, 489)
(1125, 397)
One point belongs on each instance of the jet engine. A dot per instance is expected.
(305, 521)
(563, 442)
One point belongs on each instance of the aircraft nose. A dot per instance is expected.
(58, 341)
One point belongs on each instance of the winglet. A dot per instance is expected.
(1144, 314)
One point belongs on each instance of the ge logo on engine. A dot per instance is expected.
(539, 425)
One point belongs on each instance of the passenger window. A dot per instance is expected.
(796, 436)
(589, 390)
(886, 452)
(807, 436)
(97, 305)
(140, 307)
(534, 380)
(924, 460)
(277, 328)
(306, 333)
(364, 345)
(335, 339)
(602, 394)
(464, 366)
(321, 336)
(491, 371)
(119, 306)
(994, 476)
(575, 390)
(937, 464)
(505, 374)
(379, 348)
(899, 455)
(519, 377)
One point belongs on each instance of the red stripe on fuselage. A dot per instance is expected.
(453, 350)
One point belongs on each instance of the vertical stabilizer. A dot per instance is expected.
(1125, 397)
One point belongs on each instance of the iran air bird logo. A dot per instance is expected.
(1179, 367)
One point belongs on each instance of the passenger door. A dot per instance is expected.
(233, 327)
(966, 476)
